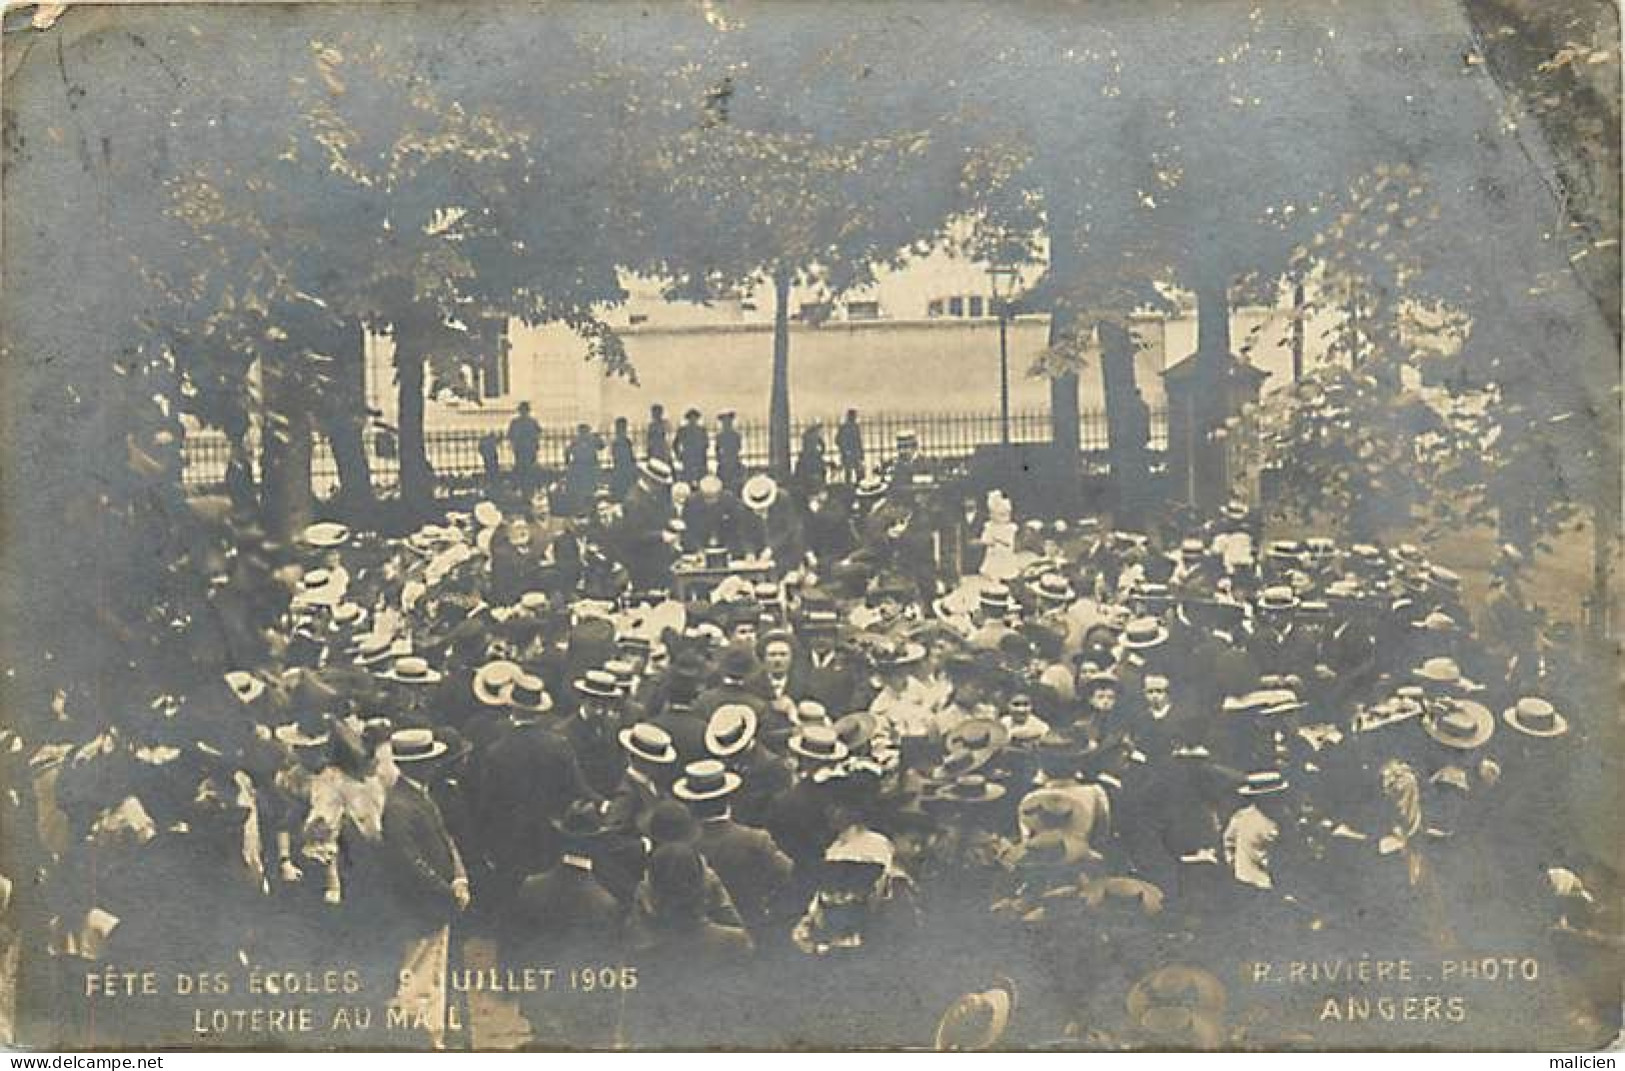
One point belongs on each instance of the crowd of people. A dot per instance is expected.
(694, 451)
(812, 758)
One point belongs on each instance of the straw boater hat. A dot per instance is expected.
(995, 599)
(1180, 1007)
(376, 649)
(493, 680)
(417, 745)
(759, 492)
(967, 788)
(599, 684)
(873, 486)
(1279, 597)
(1459, 723)
(412, 669)
(656, 470)
(907, 437)
(486, 515)
(1144, 633)
(245, 685)
(818, 743)
(325, 535)
(980, 737)
(1263, 783)
(730, 730)
(898, 655)
(1445, 673)
(1284, 550)
(810, 712)
(976, 1021)
(1233, 511)
(294, 735)
(320, 587)
(1534, 716)
(856, 729)
(527, 692)
(346, 617)
(706, 779)
(1055, 588)
(648, 742)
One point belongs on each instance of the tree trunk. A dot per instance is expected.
(1066, 430)
(343, 421)
(1128, 421)
(417, 476)
(1298, 328)
(285, 454)
(1213, 318)
(240, 485)
(1210, 401)
(778, 417)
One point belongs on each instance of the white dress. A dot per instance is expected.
(999, 558)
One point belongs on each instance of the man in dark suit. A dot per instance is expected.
(823, 672)
(737, 669)
(711, 516)
(526, 777)
(747, 859)
(566, 903)
(692, 446)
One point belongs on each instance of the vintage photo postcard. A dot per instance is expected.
(760, 525)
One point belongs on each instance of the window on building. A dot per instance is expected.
(956, 306)
(976, 305)
(934, 308)
(638, 318)
(863, 310)
(494, 374)
(813, 311)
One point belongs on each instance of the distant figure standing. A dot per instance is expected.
(657, 442)
(581, 468)
(623, 460)
(849, 443)
(490, 458)
(730, 452)
(525, 439)
(810, 465)
(693, 446)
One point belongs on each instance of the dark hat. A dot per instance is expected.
(582, 820)
(736, 664)
(670, 822)
(707, 779)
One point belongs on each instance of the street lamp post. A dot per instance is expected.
(1003, 277)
